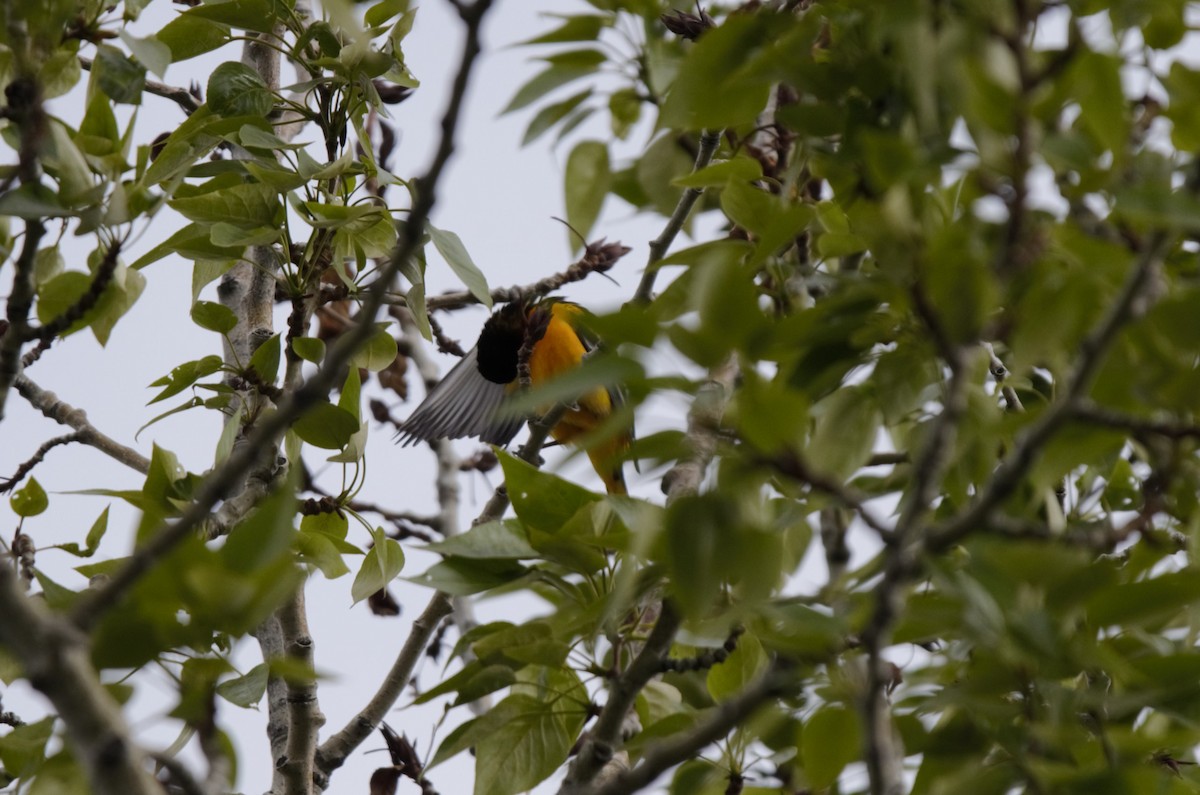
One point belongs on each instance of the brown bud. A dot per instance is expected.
(390, 93)
(687, 25)
(382, 603)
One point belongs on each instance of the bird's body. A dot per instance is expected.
(467, 402)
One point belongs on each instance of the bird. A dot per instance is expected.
(469, 400)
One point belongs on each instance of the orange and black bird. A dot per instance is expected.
(467, 402)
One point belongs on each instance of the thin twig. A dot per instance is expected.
(35, 459)
(598, 257)
(883, 756)
(714, 725)
(1130, 301)
(1000, 373)
(20, 302)
(178, 774)
(709, 140)
(55, 657)
(84, 304)
(1094, 414)
(65, 414)
(793, 465)
(604, 739)
(333, 752)
(180, 96)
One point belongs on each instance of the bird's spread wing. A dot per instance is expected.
(464, 403)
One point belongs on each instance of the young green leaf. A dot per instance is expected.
(29, 500)
(382, 564)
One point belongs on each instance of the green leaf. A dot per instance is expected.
(541, 500)
(624, 108)
(722, 172)
(188, 35)
(29, 500)
(831, 740)
(245, 206)
(383, 11)
(229, 435)
(550, 115)
(450, 246)
(698, 527)
(60, 72)
(246, 691)
(23, 749)
(213, 317)
(575, 27)
(378, 352)
(528, 743)
(463, 576)
(193, 242)
(716, 86)
(118, 76)
(546, 81)
(326, 426)
(741, 667)
(499, 539)
(154, 54)
(1136, 603)
(382, 564)
(332, 524)
(60, 294)
(496, 639)
(255, 15)
(351, 396)
(323, 551)
(60, 775)
(587, 182)
(847, 425)
(1097, 83)
(310, 349)
(265, 359)
(473, 681)
(189, 373)
(92, 541)
(57, 597)
(33, 200)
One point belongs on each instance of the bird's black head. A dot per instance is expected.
(500, 342)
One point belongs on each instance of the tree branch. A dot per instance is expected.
(20, 302)
(297, 766)
(333, 752)
(24, 469)
(1130, 301)
(56, 660)
(704, 418)
(598, 257)
(84, 304)
(793, 465)
(180, 96)
(716, 723)
(65, 414)
(1095, 414)
(709, 140)
(264, 436)
(883, 755)
(604, 739)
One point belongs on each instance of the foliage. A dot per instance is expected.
(941, 348)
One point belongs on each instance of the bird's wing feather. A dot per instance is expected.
(464, 403)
